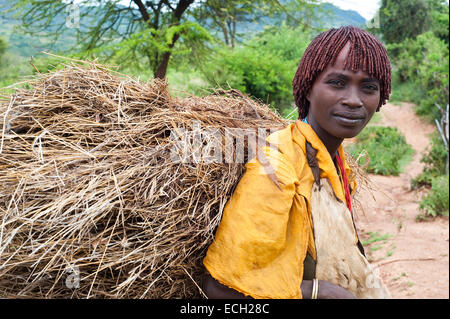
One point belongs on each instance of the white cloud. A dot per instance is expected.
(367, 9)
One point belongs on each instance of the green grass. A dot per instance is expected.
(376, 118)
(376, 242)
(184, 83)
(407, 91)
(436, 202)
(375, 237)
(376, 247)
(435, 178)
(387, 149)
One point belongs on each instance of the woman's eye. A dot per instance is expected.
(336, 83)
(370, 87)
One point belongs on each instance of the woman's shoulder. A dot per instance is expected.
(281, 156)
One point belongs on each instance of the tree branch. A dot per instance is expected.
(181, 7)
(142, 10)
(167, 3)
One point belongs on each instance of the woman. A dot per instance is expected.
(296, 238)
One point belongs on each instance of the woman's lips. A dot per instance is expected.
(349, 119)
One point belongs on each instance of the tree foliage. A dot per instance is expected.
(151, 30)
(418, 48)
(424, 61)
(440, 19)
(263, 67)
(226, 14)
(303, 14)
(406, 19)
(104, 24)
(402, 19)
(3, 46)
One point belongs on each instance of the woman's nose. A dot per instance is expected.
(352, 98)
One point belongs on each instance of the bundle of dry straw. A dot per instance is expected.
(92, 202)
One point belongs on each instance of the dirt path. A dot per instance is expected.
(414, 259)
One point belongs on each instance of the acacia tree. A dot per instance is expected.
(225, 15)
(149, 28)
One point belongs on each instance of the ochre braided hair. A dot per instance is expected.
(366, 53)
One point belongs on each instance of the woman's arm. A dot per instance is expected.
(215, 290)
(327, 290)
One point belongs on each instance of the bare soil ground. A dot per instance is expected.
(413, 260)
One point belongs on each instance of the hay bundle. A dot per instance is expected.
(92, 202)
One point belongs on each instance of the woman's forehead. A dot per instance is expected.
(339, 66)
(342, 56)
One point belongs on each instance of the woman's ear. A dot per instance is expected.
(308, 96)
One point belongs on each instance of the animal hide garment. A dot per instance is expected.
(339, 259)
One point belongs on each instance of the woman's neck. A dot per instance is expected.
(331, 142)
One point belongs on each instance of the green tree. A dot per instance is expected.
(402, 19)
(440, 19)
(424, 62)
(302, 14)
(3, 46)
(263, 67)
(154, 27)
(226, 14)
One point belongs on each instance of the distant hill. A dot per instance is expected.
(340, 17)
(328, 16)
(25, 45)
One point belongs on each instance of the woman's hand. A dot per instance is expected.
(327, 290)
(215, 290)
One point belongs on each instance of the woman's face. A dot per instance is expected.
(342, 101)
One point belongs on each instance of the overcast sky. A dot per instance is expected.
(366, 8)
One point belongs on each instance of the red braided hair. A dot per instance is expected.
(366, 53)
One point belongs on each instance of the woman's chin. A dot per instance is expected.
(348, 133)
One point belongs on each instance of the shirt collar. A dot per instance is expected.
(328, 170)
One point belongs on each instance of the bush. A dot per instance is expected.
(434, 160)
(263, 68)
(406, 91)
(387, 149)
(424, 63)
(436, 202)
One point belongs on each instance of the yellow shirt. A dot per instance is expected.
(266, 230)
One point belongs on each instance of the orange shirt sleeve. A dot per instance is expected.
(262, 239)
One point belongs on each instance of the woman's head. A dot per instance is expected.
(366, 53)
